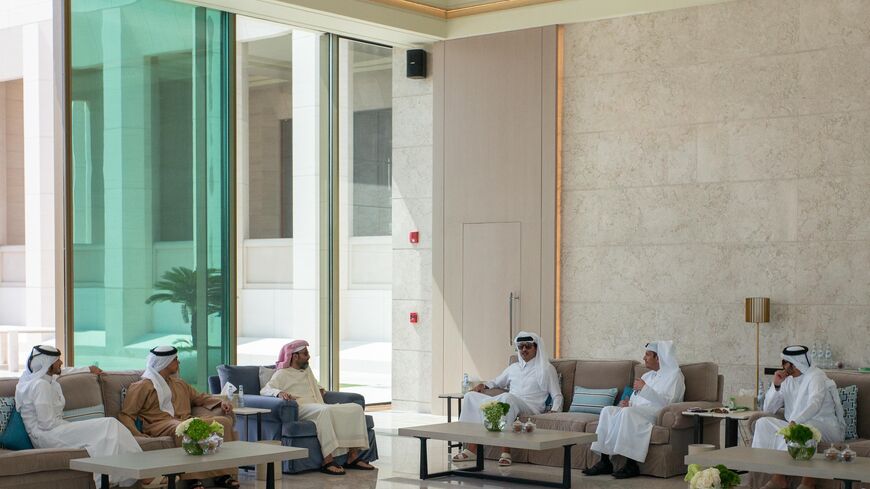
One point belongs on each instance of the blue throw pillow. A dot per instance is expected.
(626, 393)
(592, 400)
(849, 400)
(15, 437)
(246, 375)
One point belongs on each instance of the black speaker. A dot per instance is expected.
(416, 63)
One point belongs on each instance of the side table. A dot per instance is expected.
(732, 421)
(450, 397)
(246, 411)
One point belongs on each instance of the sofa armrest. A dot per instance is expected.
(332, 397)
(37, 460)
(672, 416)
(282, 411)
(204, 411)
(761, 414)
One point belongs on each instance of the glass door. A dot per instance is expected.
(365, 242)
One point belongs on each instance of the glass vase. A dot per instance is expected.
(801, 451)
(494, 424)
(191, 446)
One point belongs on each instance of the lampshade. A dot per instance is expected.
(758, 310)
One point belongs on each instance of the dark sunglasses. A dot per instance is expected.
(525, 346)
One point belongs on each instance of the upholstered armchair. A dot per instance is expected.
(282, 422)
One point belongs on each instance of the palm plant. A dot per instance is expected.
(178, 285)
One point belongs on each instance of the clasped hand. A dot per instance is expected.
(286, 396)
(639, 384)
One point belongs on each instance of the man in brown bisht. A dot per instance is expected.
(162, 401)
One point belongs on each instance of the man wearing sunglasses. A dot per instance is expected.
(530, 381)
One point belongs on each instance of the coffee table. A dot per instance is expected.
(172, 462)
(732, 420)
(779, 462)
(475, 433)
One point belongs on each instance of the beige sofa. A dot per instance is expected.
(49, 468)
(671, 435)
(861, 445)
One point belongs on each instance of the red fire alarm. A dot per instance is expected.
(413, 318)
(414, 237)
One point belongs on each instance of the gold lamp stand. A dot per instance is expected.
(757, 311)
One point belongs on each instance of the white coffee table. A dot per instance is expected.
(475, 433)
(779, 462)
(173, 462)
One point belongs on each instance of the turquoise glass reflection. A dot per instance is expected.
(150, 179)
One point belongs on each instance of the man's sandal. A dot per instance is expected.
(227, 481)
(504, 459)
(332, 465)
(465, 455)
(156, 483)
(195, 484)
(355, 465)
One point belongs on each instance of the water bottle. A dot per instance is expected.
(814, 355)
(828, 356)
(466, 383)
(241, 396)
(760, 398)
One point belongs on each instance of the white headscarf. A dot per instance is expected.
(541, 362)
(797, 356)
(667, 354)
(41, 358)
(158, 359)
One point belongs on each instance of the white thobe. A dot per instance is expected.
(339, 426)
(807, 399)
(527, 395)
(41, 406)
(626, 430)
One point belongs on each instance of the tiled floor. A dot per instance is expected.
(399, 464)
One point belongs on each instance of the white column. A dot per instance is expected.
(306, 187)
(243, 167)
(42, 218)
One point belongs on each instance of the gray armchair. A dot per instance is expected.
(283, 423)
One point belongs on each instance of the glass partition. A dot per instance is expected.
(150, 183)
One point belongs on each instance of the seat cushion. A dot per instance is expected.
(564, 421)
(37, 460)
(660, 435)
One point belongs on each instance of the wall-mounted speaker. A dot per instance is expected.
(416, 63)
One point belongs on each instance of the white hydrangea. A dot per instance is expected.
(706, 479)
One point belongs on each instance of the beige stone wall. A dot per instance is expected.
(412, 264)
(268, 105)
(712, 154)
(13, 148)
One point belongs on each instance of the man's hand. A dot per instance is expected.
(639, 384)
(226, 407)
(778, 377)
(322, 392)
(95, 370)
(623, 403)
(286, 396)
(479, 388)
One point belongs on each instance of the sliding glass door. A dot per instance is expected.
(150, 183)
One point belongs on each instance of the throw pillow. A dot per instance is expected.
(245, 375)
(626, 393)
(81, 414)
(849, 400)
(15, 437)
(266, 374)
(7, 405)
(591, 400)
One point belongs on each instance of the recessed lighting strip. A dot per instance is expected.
(442, 13)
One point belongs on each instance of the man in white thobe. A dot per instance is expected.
(530, 381)
(40, 400)
(626, 429)
(341, 428)
(808, 397)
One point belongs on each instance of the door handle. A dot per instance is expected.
(511, 298)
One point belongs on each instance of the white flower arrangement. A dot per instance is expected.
(706, 479)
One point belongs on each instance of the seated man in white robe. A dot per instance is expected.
(40, 400)
(341, 428)
(808, 397)
(529, 382)
(626, 429)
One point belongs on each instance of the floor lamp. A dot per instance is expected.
(757, 311)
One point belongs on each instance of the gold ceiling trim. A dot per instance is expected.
(442, 13)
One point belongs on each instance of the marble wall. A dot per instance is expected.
(412, 263)
(711, 154)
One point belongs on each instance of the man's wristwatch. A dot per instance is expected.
(776, 387)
